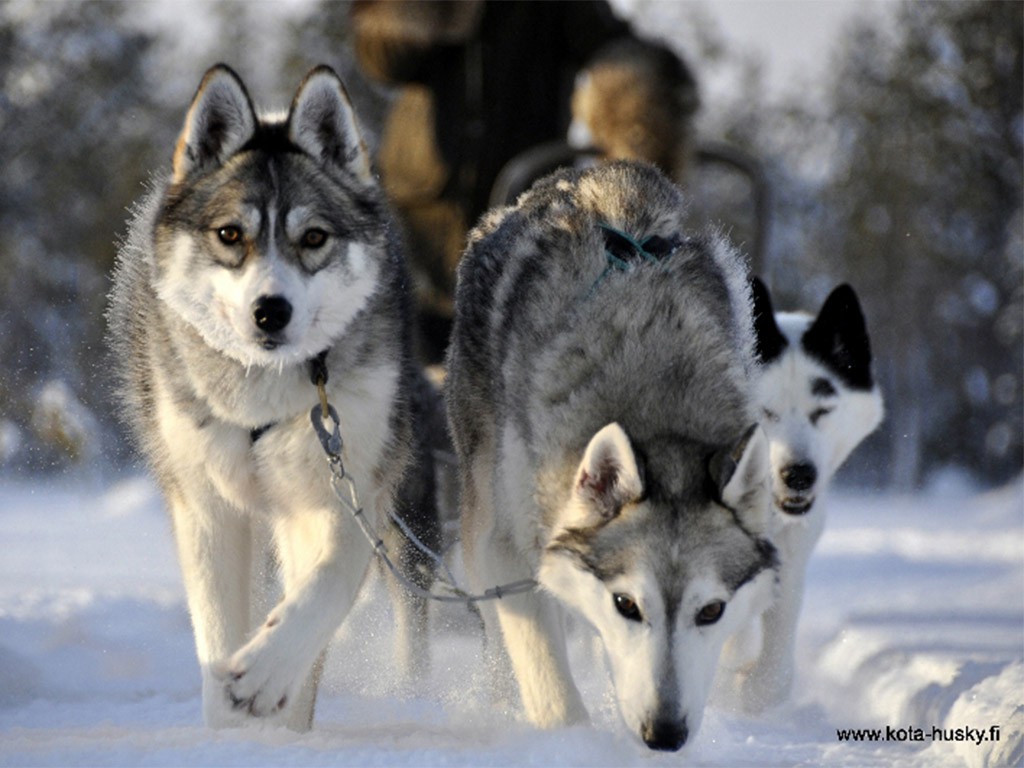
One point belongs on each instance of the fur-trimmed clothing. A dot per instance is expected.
(482, 81)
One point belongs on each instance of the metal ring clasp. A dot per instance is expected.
(330, 440)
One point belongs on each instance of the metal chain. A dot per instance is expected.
(345, 490)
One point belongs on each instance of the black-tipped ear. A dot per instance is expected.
(322, 123)
(838, 337)
(219, 123)
(769, 342)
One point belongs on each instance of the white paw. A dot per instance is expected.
(262, 678)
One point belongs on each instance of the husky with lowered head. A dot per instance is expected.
(265, 261)
(600, 405)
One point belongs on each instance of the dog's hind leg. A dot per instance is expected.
(215, 551)
(416, 508)
(412, 628)
(411, 612)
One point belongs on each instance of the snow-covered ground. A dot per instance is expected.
(914, 619)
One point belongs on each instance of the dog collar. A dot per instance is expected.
(318, 369)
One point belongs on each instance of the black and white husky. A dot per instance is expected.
(599, 396)
(818, 400)
(264, 260)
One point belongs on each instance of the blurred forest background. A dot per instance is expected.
(901, 174)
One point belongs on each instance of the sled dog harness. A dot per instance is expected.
(327, 426)
(624, 252)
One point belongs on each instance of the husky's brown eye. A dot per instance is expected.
(710, 613)
(313, 238)
(229, 235)
(627, 607)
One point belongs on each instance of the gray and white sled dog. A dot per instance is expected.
(819, 400)
(264, 260)
(599, 401)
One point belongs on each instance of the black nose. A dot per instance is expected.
(799, 477)
(665, 735)
(271, 313)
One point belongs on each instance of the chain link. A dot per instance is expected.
(345, 490)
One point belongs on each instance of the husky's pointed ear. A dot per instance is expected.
(839, 338)
(769, 342)
(219, 123)
(608, 478)
(741, 475)
(323, 124)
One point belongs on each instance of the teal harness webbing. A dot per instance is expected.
(623, 251)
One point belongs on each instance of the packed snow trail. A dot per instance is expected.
(911, 646)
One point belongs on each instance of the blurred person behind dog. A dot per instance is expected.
(481, 82)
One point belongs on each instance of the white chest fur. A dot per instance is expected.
(286, 467)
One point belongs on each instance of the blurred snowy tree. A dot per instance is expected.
(926, 203)
(324, 35)
(906, 181)
(75, 139)
(903, 175)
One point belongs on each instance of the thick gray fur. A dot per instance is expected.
(550, 346)
(543, 342)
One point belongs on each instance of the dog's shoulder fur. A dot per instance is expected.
(533, 294)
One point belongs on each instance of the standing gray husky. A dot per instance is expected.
(600, 405)
(265, 262)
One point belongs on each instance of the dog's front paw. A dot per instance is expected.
(259, 680)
